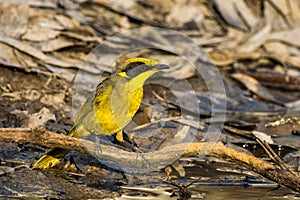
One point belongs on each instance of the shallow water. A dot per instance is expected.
(215, 192)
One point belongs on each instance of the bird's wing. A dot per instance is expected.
(89, 106)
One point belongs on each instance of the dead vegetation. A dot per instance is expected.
(242, 68)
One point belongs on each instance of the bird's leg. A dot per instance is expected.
(98, 146)
(130, 143)
(140, 153)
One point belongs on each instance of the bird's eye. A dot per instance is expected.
(142, 67)
(133, 65)
(132, 72)
(133, 69)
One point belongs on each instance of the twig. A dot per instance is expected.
(159, 159)
(275, 157)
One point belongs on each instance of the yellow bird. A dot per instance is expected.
(111, 107)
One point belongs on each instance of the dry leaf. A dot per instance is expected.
(254, 86)
(13, 18)
(181, 69)
(179, 168)
(84, 38)
(288, 9)
(56, 44)
(183, 14)
(39, 119)
(236, 13)
(277, 48)
(256, 40)
(294, 60)
(6, 170)
(7, 56)
(38, 34)
(66, 22)
(27, 62)
(263, 137)
(30, 50)
(289, 36)
(62, 72)
(295, 11)
(57, 100)
(273, 17)
(42, 4)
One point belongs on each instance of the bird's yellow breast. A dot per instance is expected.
(117, 104)
(117, 108)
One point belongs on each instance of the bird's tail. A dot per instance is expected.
(54, 155)
(51, 158)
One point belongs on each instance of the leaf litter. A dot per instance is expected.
(46, 40)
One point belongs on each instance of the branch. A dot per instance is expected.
(131, 162)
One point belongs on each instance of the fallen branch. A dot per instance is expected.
(131, 162)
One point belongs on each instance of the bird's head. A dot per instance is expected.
(139, 68)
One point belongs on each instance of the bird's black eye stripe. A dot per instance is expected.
(135, 68)
(133, 65)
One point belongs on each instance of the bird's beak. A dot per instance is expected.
(161, 67)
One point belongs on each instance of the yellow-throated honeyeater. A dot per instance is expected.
(111, 107)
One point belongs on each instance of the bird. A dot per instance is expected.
(110, 108)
